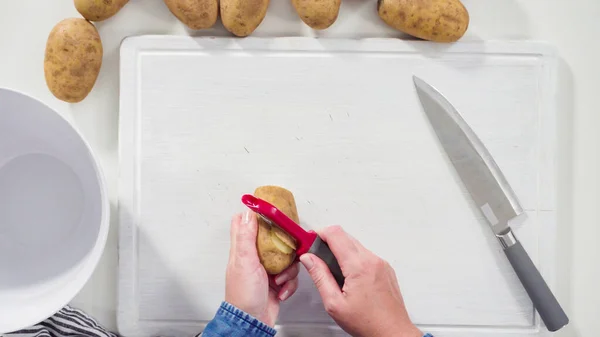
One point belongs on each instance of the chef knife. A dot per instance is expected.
(491, 193)
(308, 241)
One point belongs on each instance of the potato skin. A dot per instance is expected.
(317, 14)
(73, 59)
(274, 260)
(434, 20)
(99, 10)
(242, 17)
(196, 14)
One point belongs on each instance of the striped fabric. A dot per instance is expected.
(68, 322)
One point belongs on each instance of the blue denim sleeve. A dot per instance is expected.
(230, 321)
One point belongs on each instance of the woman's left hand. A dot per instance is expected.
(247, 284)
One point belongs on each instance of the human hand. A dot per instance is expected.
(370, 303)
(247, 285)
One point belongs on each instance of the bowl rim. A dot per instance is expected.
(58, 299)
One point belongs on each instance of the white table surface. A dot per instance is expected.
(571, 26)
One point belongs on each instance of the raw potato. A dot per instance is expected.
(196, 14)
(241, 17)
(98, 10)
(279, 244)
(318, 14)
(275, 247)
(434, 20)
(73, 59)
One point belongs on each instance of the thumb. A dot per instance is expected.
(243, 237)
(324, 281)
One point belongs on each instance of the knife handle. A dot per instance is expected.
(322, 250)
(544, 301)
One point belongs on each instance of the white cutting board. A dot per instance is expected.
(337, 122)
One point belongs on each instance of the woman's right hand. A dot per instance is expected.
(370, 303)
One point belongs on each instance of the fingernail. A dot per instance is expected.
(306, 261)
(281, 279)
(246, 218)
(284, 296)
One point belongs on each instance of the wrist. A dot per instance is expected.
(406, 330)
(261, 316)
(266, 320)
(411, 331)
(250, 317)
(397, 329)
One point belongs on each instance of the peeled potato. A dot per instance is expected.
(98, 10)
(73, 59)
(196, 14)
(283, 236)
(434, 20)
(279, 244)
(318, 14)
(276, 249)
(242, 17)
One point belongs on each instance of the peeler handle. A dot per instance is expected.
(276, 217)
(322, 250)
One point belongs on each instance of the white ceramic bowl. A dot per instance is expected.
(54, 211)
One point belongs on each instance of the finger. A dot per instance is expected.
(342, 245)
(290, 273)
(288, 289)
(326, 230)
(243, 237)
(319, 272)
(235, 223)
(356, 242)
(273, 285)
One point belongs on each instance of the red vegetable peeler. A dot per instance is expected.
(308, 242)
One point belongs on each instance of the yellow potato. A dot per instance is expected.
(279, 244)
(98, 10)
(284, 237)
(276, 249)
(196, 14)
(318, 14)
(73, 59)
(242, 17)
(434, 20)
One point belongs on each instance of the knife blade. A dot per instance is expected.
(491, 193)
